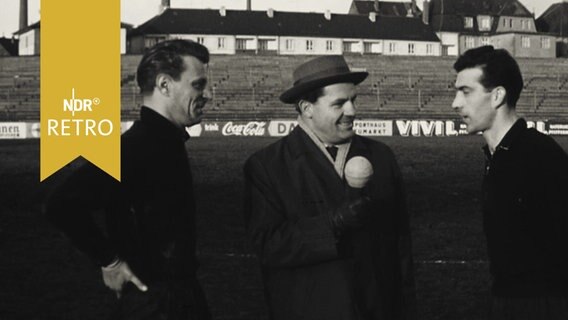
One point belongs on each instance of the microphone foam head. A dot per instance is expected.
(358, 171)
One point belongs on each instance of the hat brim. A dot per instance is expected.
(293, 94)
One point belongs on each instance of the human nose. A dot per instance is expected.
(350, 108)
(457, 103)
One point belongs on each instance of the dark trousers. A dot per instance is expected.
(162, 301)
(539, 308)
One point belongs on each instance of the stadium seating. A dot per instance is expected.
(247, 86)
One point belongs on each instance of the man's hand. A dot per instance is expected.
(352, 214)
(117, 274)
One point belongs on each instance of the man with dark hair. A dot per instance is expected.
(145, 245)
(326, 210)
(525, 191)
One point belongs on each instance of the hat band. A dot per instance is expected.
(323, 74)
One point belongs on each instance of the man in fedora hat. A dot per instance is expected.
(329, 249)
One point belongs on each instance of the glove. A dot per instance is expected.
(353, 214)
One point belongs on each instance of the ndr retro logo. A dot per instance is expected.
(83, 125)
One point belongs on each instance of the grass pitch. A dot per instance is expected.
(43, 277)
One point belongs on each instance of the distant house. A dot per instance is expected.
(554, 21)
(382, 8)
(288, 33)
(466, 24)
(29, 39)
(8, 47)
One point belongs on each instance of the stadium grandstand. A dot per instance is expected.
(405, 50)
(247, 86)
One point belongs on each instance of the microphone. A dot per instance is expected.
(358, 171)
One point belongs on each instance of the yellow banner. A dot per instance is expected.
(80, 84)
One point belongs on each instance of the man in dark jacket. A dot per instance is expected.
(329, 250)
(525, 191)
(145, 241)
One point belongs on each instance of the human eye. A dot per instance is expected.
(199, 84)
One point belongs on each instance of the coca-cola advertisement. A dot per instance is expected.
(251, 128)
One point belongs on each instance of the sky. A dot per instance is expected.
(137, 12)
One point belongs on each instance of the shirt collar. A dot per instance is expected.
(510, 137)
(162, 126)
(342, 149)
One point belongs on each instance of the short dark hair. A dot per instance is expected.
(167, 57)
(310, 96)
(499, 69)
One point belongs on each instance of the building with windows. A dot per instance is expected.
(465, 24)
(288, 33)
(554, 21)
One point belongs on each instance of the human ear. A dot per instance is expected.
(499, 95)
(163, 83)
(306, 108)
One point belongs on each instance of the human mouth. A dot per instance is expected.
(345, 125)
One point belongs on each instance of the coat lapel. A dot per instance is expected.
(306, 151)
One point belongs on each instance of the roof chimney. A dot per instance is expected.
(426, 12)
(249, 5)
(164, 5)
(23, 14)
(409, 13)
(414, 8)
(373, 16)
(223, 11)
(270, 13)
(376, 6)
(327, 15)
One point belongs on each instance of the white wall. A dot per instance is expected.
(28, 44)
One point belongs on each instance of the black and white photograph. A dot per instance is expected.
(295, 159)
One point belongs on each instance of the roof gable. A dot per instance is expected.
(10, 45)
(395, 9)
(554, 20)
(512, 8)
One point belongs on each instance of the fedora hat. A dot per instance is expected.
(318, 73)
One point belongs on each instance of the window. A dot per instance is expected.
(523, 22)
(221, 43)
(347, 46)
(289, 44)
(411, 48)
(429, 49)
(309, 45)
(241, 44)
(200, 40)
(468, 22)
(367, 47)
(262, 44)
(545, 43)
(329, 45)
(469, 42)
(504, 22)
(392, 47)
(485, 24)
(525, 42)
(485, 41)
(510, 23)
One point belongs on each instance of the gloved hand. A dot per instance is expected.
(352, 214)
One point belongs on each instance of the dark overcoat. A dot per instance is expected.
(291, 190)
(147, 219)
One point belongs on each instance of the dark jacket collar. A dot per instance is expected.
(510, 137)
(161, 126)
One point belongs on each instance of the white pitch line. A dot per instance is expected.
(250, 255)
